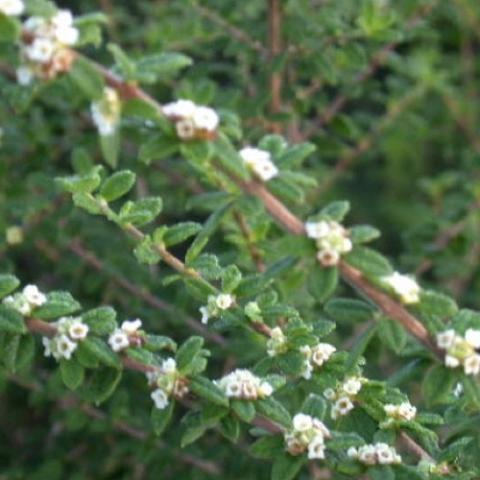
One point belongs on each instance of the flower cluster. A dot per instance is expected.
(70, 331)
(166, 382)
(404, 286)
(12, 8)
(332, 241)
(259, 162)
(277, 343)
(405, 411)
(26, 301)
(375, 454)
(192, 121)
(215, 305)
(44, 48)
(315, 357)
(244, 385)
(461, 350)
(344, 396)
(128, 334)
(308, 434)
(106, 112)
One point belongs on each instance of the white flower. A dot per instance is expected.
(321, 428)
(64, 346)
(328, 257)
(12, 7)
(445, 339)
(302, 422)
(367, 454)
(471, 365)
(41, 50)
(307, 370)
(18, 303)
(169, 366)
(118, 340)
(264, 390)
(352, 452)
(472, 337)
(47, 344)
(185, 129)
(276, 342)
(64, 31)
(131, 326)
(34, 296)
(233, 388)
(404, 286)
(321, 353)
(243, 384)
(78, 330)
(458, 390)
(205, 118)
(316, 448)
(106, 112)
(179, 109)
(329, 394)
(260, 162)
(205, 314)
(342, 406)
(24, 75)
(385, 454)
(451, 361)
(352, 386)
(224, 301)
(317, 230)
(407, 411)
(160, 398)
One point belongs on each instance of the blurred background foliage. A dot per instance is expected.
(387, 91)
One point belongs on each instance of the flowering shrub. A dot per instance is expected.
(233, 321)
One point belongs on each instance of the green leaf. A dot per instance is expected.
(314, 405)
(363, 234)
(206, 389)
(161, 418)
(98, 348)
(322, 282)
(344, 440)
(360, 346)
(126, 66)
(286, 467)
(349, 310)
(230, 428)
(336, 210)
(9, 29)
(110, 146)
(87, 202)
(152, 67)
(59, 304)
(274, 410)
(8, 283)
(87, 79)
(187, 352)
(438, 384)
(141, 212)
(369, 262)
(244, 409)
(204, 235)
(101, 320)
(231, 278)
(435, 303)
(180, 232)
(294, 155)
(117, 185)
(72, 373)
(25, 352)
(157, 148)
(228, 157)
(269, 446)
(392, 334)
(11, 321)
(159, 342)
(101, 384)
(146, 251)
(381, 472)
(141, 355)
(85, 183)
(10, 347)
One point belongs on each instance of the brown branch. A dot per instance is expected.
(275, 49)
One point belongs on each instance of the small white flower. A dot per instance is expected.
(185, 129)
(385, 454)
(264, 390)
(205, 118)
(12, 7)
(307, 370)
(352, 386)
(472, 337)
(64, 31)
(367, 454)
(179, 109)
(34, 296)
(471, 365)
(404, 286)
(65, 347)
(78, 330)
(24, 75)
(328, 257)
(205, 315)
(446, 339)
(224, 301)
(329, 394)
(169, 366)
(260, 162)
(352, 452)
(41, 50)
(317, 230)
(302, 422)
(316, 448)
(118, 340)
(18, 303)
(160, 398)
(321, 353)
(47, 344)
(458, 390)
(106, 112)
(451, 361)
(233, 389)
(131, 326)
(407, 411)
(343, 405)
